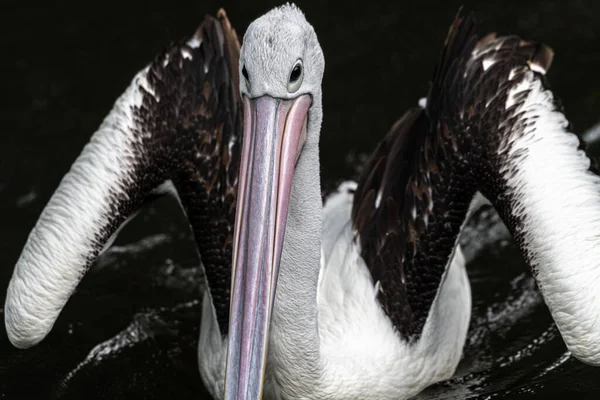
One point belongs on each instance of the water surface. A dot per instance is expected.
(130, 329)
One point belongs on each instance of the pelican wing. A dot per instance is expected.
(487, 107)
(177, 126)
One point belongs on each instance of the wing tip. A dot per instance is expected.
(460, 40)
(218, 29)
(226, 26)
(541, 60)
(221, 14)
(222, 20)
(463, 27)
(232, 47)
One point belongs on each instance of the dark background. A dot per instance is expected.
(130, 329)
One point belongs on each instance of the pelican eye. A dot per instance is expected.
(296, 77)
(245, 73)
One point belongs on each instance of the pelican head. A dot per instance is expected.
(281, 69)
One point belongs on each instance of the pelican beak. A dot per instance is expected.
(274, 133)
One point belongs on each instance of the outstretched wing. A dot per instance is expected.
(413, 196)
(178, 125)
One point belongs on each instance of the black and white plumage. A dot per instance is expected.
(414, 194)
(176, 127)
(372, 297)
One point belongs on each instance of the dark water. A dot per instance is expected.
(130, 329)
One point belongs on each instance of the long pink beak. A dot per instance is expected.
(274, 132)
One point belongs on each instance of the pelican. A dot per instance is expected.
(364, 296)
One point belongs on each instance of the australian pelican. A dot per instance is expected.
(364, 296)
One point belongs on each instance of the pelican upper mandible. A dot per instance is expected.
(364, 296)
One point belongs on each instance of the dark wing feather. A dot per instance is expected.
(414, 194)
(197, 112)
